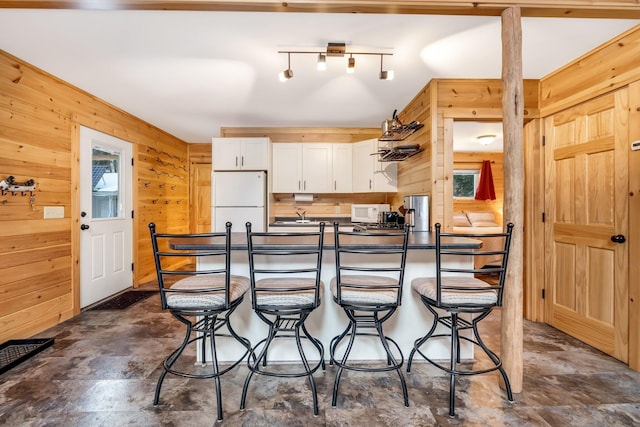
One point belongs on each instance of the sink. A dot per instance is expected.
(297, 222)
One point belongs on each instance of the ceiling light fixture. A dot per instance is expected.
(335, 50)
(351, 66)
(288, 73)
(385, 74)
(322, 62)
(485, 139)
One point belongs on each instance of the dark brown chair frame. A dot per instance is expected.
(286, 319)
(478, 310)
(368, 315)
(203, 322)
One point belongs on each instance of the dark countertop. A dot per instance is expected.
(313, 221)
(417, 240)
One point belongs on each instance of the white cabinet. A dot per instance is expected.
(317, 168)
(240, 154)
(342, 168)
(311, 168)
(370, 175)
(286, 173)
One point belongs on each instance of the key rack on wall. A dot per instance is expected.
(9, 185)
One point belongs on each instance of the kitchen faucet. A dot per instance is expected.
(300, 212)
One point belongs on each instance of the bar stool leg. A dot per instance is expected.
(391, 360)
(352, 337)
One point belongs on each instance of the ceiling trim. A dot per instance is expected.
(627, 9)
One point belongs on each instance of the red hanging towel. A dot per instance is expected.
(486, 190)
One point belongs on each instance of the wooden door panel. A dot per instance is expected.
(600, 269)
(587, 178)
(565, 261)
(565, 191)
(600, 191)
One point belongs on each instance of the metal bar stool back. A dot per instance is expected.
(285, 270)
(368, 287)
(459, 298)
(202, 299)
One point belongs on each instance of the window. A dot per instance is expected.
(465, 182)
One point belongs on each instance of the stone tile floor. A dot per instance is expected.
(103, 368)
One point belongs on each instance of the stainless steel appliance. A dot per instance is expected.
(417, 212)
(239, 197)
(367, 213)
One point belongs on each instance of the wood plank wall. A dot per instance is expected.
(612, 65)
(39, 118)
(449, 99)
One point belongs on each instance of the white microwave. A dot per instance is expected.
(367, 213)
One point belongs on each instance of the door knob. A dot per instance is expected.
(84, 227)
(619, 238)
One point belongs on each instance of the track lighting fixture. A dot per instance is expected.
(335, 50)
(288, 73)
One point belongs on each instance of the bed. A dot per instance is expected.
(478, 223)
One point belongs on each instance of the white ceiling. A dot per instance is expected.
(190, 73)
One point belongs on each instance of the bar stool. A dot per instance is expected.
(368, 286)
(203, 300)
(285, 289)
(470, 292)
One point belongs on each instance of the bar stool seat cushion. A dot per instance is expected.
(238, 286)
(368, 295)
(427, 287)
(286, 291)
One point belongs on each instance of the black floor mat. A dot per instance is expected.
(124, 300)
(14, 352)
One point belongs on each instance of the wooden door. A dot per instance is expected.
(201, 198)
(586, 204)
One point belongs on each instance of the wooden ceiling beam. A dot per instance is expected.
(629, 9)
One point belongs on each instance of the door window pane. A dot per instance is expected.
(105, 195)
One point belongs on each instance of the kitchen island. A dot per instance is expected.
(411, 320)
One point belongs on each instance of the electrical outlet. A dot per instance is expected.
(52, 212)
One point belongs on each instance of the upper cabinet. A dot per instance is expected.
(311, 168)
(369, 174)
(240, 154)
(342, 168)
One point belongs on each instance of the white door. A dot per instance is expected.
(105, 217)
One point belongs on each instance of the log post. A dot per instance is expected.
(512, 125)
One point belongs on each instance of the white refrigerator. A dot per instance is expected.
(239, 197)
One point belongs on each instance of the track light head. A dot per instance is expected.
(288, 73)
(285, 75)
(351, 66)
(385, 74)
(322, 62)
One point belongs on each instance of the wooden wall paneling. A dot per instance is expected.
(633, 238)
(533, 306)
(40, 116)
(611, 66)
(304, 134)
(200, 153)
(447, 166)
